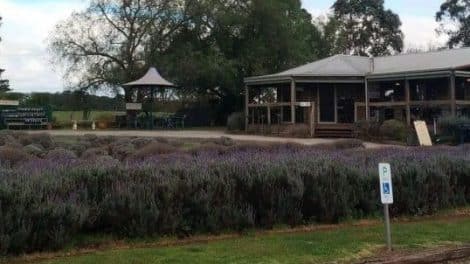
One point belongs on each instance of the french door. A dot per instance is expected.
(327, 104)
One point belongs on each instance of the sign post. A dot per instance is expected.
(386, 195)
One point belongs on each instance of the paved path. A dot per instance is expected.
(200, 134)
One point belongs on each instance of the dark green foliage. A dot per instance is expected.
(455, 22)
(206, 47)
(367, 130)
(45, 203)
(73, 101)
(394, 129)
(450, 128)
(366, 28)
(236, 121)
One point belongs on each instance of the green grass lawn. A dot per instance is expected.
(66, 116)
(344, 244)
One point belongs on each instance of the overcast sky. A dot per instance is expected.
(27, 23)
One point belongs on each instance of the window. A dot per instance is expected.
(430, 89)
(462, 88)
(387, 91)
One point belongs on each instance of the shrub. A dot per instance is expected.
(105, 140)
(121, 149)
(34, 149)
(141, 142)
(449, 128)
(43, 139)
(209, 147)
(367, 130)
(12, 156)
(394, 129)
(236, 121)
(90, 137)
(225, 141)
(153, 149)
(6, 139)
(162, 140)
(61, 154)
(46, 203)
(24, 139)
(93, 153)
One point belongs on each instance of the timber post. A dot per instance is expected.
(247, 113)
(453, 100)
(408, 101)
(366, 88)
(292, 100)
(269, 115)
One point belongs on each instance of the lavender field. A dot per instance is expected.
(148, 188)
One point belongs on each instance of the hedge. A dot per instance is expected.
(46, 203)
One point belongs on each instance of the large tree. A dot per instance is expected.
(205, 46)
(230, 40)
(454, 18)
(107, 44)
(366, 28)
(4, 84)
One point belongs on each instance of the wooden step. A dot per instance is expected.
(334, 130)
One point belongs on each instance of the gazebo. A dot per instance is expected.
(143, 95)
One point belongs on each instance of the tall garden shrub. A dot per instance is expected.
(449, 128)
(236, 121)
(394, 129)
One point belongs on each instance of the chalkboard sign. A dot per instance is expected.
(24, 118)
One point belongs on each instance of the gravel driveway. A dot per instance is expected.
(199, 134)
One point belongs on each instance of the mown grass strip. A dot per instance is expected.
(344, 244)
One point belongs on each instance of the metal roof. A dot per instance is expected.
(344, 65)
(338, 65)
(151, 78)
(427, 61)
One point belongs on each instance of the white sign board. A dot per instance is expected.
(386, 188)
(423, 133)
(133, 106)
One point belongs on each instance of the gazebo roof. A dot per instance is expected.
(151, 78)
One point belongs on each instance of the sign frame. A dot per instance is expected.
(386, 185)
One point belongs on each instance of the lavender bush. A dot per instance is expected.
(46, 202)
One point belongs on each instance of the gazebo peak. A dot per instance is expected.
(151, 78)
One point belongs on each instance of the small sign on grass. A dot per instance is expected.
(386, 195)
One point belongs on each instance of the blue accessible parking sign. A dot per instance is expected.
(386, 188)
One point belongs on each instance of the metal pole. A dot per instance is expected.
(387, 228)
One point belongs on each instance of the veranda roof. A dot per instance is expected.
(357, 66)
(151, 78)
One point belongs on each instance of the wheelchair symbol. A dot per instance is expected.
(386, 188)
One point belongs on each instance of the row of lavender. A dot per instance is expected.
(47, 202)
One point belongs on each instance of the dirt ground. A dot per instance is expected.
(201, 134)
(449, 255)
